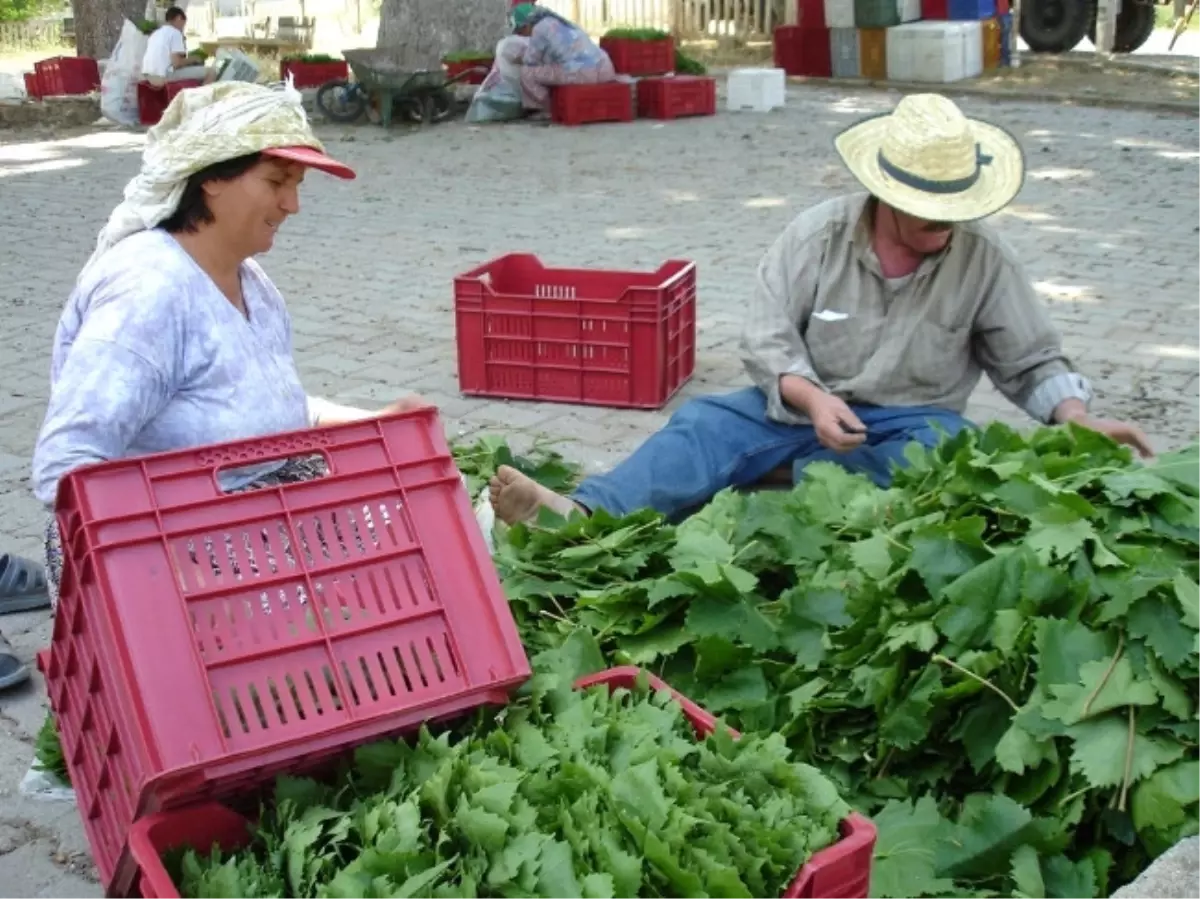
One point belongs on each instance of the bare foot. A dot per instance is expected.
(516, 497)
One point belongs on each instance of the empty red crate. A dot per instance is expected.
(67, 75)
(633, 57)
(599, 338)
(205, 642)
(312, 74)
(153, 101)
(32, 88)
(676, 96)
(841, 871)
(935, 9)
(803, 51)
(584, 104)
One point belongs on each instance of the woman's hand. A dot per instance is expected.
(405, 404)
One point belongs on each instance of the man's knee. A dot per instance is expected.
(716, 412)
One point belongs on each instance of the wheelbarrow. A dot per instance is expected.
(422, 95)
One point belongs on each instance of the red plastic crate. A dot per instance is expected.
(481, 68)
(312, 74)
(803, 51)
(585, 104)
(676, 96)
(639, 58)
(811, 14)
(205, 642)
(935, 9)
(62, 76)
(33, 88)
(153, 101)
(598, 338)
(840, 871)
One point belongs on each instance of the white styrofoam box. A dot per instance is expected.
(840, 13)
(973, 47)
(757, 90)
(934, 52)
(843, 53)
(910, 10)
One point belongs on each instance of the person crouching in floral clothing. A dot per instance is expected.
(559, 52)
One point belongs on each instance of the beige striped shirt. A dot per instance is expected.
(822, 309)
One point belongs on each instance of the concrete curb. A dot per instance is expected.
(1024, 96)
(964, 88)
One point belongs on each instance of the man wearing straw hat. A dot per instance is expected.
(873, 318)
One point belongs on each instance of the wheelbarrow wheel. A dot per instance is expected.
(341, 101)
(428, 108)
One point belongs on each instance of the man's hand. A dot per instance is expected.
(1073, 410)
(837, 427)
(1121, 431)
(404, 404)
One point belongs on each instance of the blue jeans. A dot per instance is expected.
(714, 442)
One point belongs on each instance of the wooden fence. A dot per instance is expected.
(687, 19)
(32, 35)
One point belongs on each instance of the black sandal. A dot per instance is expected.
(22, 585)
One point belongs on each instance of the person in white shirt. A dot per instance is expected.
(166, 58)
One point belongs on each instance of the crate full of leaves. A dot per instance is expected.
(310, 70)
(601, 791)
(475, 62)
(639, 51)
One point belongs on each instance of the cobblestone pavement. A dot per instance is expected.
(1107, 223)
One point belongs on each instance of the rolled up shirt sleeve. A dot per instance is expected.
(784, 294)
(1020, 349)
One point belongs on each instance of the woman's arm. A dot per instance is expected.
(322, 412)
(103, 397)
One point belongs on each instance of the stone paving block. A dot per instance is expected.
(1105, 225)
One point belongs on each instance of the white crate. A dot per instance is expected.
(840, 13)
(910, 10)
(756, 90)
(934, 52)
(972, 48)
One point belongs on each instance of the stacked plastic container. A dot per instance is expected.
(206, 642)
(935, 52)
(861, 40)
(803, 49)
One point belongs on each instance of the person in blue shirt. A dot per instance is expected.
(559, 53)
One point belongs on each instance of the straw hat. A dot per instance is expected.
(927, 159)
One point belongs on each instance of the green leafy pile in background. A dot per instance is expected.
(561, 793)
(996, 658)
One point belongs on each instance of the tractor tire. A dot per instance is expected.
(1056, 26)
(1135, 24)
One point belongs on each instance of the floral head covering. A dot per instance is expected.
(520, 15)
(204, 126)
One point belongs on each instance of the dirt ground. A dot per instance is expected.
(1094, 81)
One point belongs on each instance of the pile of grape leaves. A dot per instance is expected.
(478, 461)
(996, 658)
(560, 793)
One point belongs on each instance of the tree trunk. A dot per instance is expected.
(98, 24)
(420, 32)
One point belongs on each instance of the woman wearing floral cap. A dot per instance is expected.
(174, 336)
(559, 53)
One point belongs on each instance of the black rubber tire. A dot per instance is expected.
(343, 108)
(429, 108)
(1135, 24)
(1056, 26)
